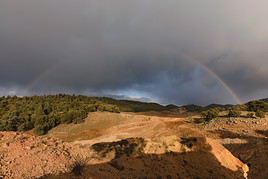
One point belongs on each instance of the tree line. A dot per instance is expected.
(256, 109)
(42, 113)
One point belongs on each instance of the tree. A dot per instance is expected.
(210, 114)
(41, 129)
(260, 114)
(67, 117)
(12, 124)
(234, 113)
(250, 115)
(2, 126)
(27, 125)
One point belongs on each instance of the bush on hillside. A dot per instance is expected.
(260, 114)
(250, 115)
(257, 106)
(234, 113)
(210, 114)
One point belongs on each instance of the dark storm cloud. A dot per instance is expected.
(142, 49)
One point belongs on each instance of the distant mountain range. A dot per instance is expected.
(264, 100)
(197, 108)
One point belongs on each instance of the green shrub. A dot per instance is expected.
(25, 126)
(41, 129)
(210, 114)
(234, 113)
(260, 114)
(250, 115)
(257, 106)
(67, 117)
(2, 126)
(12, 124)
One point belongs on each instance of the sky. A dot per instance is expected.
(167, 51)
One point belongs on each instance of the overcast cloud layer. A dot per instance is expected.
(150, 49)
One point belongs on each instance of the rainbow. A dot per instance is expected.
(215, 76)
(49, 70)
(203, 66)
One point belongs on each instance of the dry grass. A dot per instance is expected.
(91, 128)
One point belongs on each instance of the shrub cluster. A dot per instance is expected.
(210, 114)
(250, 115)
(257, 106)
(260, 114)
(234, 113)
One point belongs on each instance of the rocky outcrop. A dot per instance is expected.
(192, 156)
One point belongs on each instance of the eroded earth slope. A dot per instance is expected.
(130, 145)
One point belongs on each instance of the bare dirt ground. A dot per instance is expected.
(247, 139)
(129, 145)
(26, 156)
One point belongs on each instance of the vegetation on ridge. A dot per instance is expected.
(43, 113)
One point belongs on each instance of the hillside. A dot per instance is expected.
(123, 145)
(109, 143)
(42, 113)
